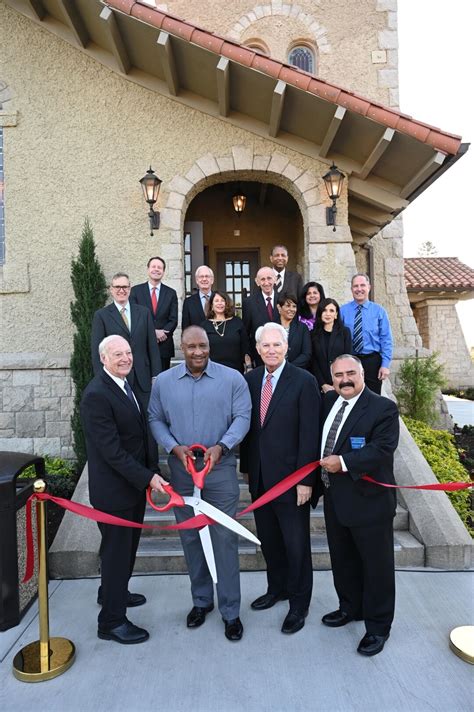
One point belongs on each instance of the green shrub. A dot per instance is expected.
(420, 378)
(438, 449)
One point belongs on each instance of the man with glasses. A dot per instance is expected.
(196, 307)
(135, 324)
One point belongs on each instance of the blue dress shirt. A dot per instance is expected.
(376, 332)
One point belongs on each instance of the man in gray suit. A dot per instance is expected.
(205, 402)
(286, 282)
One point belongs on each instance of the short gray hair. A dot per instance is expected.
(266, 327)
(105, 342)
(351, 356)
(203, 267)
(360, 274)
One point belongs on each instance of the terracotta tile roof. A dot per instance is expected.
(431, 135)
(446, 273)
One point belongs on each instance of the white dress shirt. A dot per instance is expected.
(128, 312)
(330, 419)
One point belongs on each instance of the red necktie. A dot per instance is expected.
(270, 308)
(154, 300)
(266, 397)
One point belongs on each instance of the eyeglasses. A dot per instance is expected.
(121, 287)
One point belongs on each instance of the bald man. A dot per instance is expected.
(260, 308)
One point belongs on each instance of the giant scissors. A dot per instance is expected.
(202, 507)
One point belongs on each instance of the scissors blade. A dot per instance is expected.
(205, 508)
(206, 542)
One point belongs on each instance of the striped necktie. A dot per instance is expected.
(278, 283)
(357, 338)
(267, 392)
(331, 439)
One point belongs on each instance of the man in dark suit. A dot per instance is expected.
(135, 324)
(162, 302)
(360, 436)
(260, 308)
(116, 437)
(286, 282)
(196, 307)
(283, 436)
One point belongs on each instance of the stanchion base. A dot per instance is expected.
(461, 642)
(27, 662)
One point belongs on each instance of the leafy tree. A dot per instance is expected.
(427, 249)
(420, 380)
(90, 291)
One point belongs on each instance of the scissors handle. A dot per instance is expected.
(175, 499)
(198, 477)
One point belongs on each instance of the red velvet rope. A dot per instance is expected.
(200, 520)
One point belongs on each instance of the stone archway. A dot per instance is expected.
(327, 256)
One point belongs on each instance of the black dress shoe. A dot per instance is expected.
(267, 601)
(197, 615)
(338, 618)
(294, 621)
(372, 644)
(133, 599)
(125, 633)
(234, 629)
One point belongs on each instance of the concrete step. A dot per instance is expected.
(317, 523)
(165, 554)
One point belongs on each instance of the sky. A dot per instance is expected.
(436, 78)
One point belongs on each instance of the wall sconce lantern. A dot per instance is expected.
(151, 188)
(239, 201)
(333, 181)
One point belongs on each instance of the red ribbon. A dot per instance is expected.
(200, 520)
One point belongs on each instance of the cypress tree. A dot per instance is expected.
(90, 291)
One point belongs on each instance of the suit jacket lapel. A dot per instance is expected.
(117, 317)
(352, 419)
(136, 315)
(122, 396)
(281, 387)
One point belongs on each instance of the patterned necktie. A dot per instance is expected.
(279, 283)
(357, 338)
(206, 304)
(266, 397)
(123, 312)
(269, 308)
(129, 393)
(154, 300)
(331, 440)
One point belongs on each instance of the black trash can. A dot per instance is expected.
(15, 597)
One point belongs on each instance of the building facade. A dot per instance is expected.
(93, 95)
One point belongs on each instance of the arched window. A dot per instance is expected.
(258, 47)
(303, 58)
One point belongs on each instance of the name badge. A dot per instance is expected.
(357, 443)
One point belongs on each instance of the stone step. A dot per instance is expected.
(317, 524)
(165, 555)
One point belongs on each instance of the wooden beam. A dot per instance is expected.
(168, 63)
(37, 7)
(369, 213)
(332, 130)
(374, 195)
(430, 167)
(115, 39)
(379, 149)
(74, 21)
(278, 100)
(362, 228)
(223, 86)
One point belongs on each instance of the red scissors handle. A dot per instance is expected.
(198, 477)
(175, 499)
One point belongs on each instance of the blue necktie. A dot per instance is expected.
(129, 393)
(357, 338)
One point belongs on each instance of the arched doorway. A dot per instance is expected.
(234, 245)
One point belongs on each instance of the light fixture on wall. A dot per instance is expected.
(333, 181)
(151, 188)
(239, 201)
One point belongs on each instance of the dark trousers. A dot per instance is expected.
(165, 363)
(283, 529)
(363, 569)
(371, 364)
(118, 551)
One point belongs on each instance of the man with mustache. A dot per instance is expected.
(360, 436)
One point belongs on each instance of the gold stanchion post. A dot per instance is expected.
(461, 642)
(47, 657)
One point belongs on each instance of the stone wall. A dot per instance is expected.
(36, 403)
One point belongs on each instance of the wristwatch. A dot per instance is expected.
(224, 448)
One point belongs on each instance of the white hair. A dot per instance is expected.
(105, 342)
(266, 327)
(203, 267)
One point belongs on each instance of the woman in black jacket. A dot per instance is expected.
(299, 341)
(329, 339)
